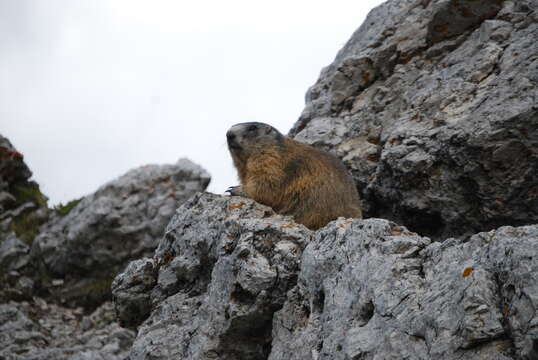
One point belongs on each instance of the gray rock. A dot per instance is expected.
(230, 280)
(12, 167)
(224, 267)
(14, 261)
(23, 208)
(369, 289)
(433, 106)
(41, 331)
(121, 221)
(131, 291)
(14, 254)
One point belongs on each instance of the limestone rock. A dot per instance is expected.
(224, 267)
(369, 289)
(84, 249)
(432, 105)
(232, 280)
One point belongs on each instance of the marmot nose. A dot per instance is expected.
(230, 135)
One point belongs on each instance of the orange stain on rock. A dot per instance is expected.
(468, 271)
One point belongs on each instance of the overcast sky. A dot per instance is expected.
(92, 88)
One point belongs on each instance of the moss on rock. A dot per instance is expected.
(63, 210)
(28, 192)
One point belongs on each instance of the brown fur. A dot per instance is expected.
(294, 178)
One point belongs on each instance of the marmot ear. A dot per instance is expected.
(268, 130)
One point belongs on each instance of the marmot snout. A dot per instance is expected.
(291, 177)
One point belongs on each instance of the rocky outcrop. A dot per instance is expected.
(39, 330)
(71, 253)
(220, 272)
(23, 208)
(433, 106)
(230, 280)
(77, 254)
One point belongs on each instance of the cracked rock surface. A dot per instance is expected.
(369, 289)
(232, 280)
(220, 272)
(433, 106)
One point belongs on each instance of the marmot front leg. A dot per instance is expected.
(236, 191)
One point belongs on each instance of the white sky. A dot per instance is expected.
(92, 88)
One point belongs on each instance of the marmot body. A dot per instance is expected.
(291, 177)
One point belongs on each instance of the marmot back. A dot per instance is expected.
(291, 177)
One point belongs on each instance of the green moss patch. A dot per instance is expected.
(26, 225)
(28, 192)
(63, 210)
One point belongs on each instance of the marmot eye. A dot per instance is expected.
(251, 128)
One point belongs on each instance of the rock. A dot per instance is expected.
(370, 289)
(432, 105)
(23, 208)
(14, 261)
(39, 330)
(224, 267)
(13, 169)
(230, 280)
(132, 292)
(14, 254)
(90, 241)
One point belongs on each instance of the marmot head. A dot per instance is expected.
(244, 138)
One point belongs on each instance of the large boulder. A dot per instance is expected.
(78, 252)
(432, 105)
(220, 272)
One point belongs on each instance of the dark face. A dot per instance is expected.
(244, 136)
